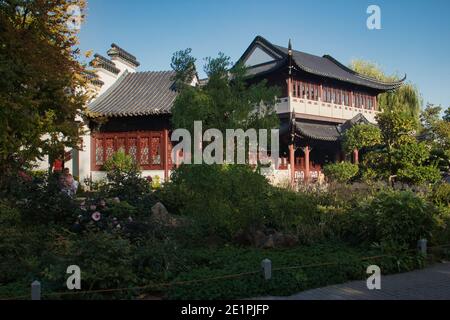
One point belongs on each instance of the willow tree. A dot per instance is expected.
(406, 98)
(42, 83)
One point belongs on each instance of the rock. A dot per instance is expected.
(161, 216)
(290, 241)
(159, 212)
(270, 244)
(259, 239)
(243, 238)
(278, 239)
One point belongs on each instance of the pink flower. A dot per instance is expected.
(96, 216)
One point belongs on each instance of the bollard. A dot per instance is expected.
(36, 290)
(266, 266)
(422, 246)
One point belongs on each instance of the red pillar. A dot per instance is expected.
(307, 150)
(292, 162)
(166, 155)
(356, 156)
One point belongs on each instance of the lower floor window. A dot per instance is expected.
(146, 148)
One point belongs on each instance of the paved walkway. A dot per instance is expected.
(432, 283)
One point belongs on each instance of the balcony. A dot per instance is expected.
(332, 111)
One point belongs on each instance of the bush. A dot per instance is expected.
(441, 194)
(224, 199)
(124, 179)
(341, 172)
(398, 217)
(302, 214)
(41, 201)
(420, 175)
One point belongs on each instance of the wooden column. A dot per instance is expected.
(307, 150)
(166, 155)
(320, 92)
(292, 163)
(356, 156)
(351, 99)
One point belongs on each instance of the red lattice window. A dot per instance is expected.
(144, 147)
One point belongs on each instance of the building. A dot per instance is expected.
(322, 99)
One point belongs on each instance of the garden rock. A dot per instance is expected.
(161, 216)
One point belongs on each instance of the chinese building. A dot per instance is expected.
(322, 98)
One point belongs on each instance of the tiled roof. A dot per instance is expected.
(327, 132)
(318, 131)
(102, 62)
(325, 66)
(119, 52)
(137, 94)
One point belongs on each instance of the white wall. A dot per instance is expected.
(123, 65)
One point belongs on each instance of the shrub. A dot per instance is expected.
(41, 201)
(341, 172)
(441, 194)
(417, 174)
(224, 199)
(124, 179)
(398, 217)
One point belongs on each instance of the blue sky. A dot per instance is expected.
(414, 39)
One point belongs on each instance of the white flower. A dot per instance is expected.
(96, 216)
(83, 208)
(116, 200)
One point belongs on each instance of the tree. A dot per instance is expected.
(226, 101)
(436, 132)
(406, 98)
(43, 86)
(447, 115)
(402, 156)
(361, 136)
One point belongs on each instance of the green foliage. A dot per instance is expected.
(41, 201)
(124, 180)
(447, 115)
(396, 127)
(441, 194)
(235, 196)
(40, 84)
(184, 66)
(342, 172)
(361, 136)
(405, 99)
(226, 101)
(346, 264)
(398, 217)
(419, 175)
(402, 156)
